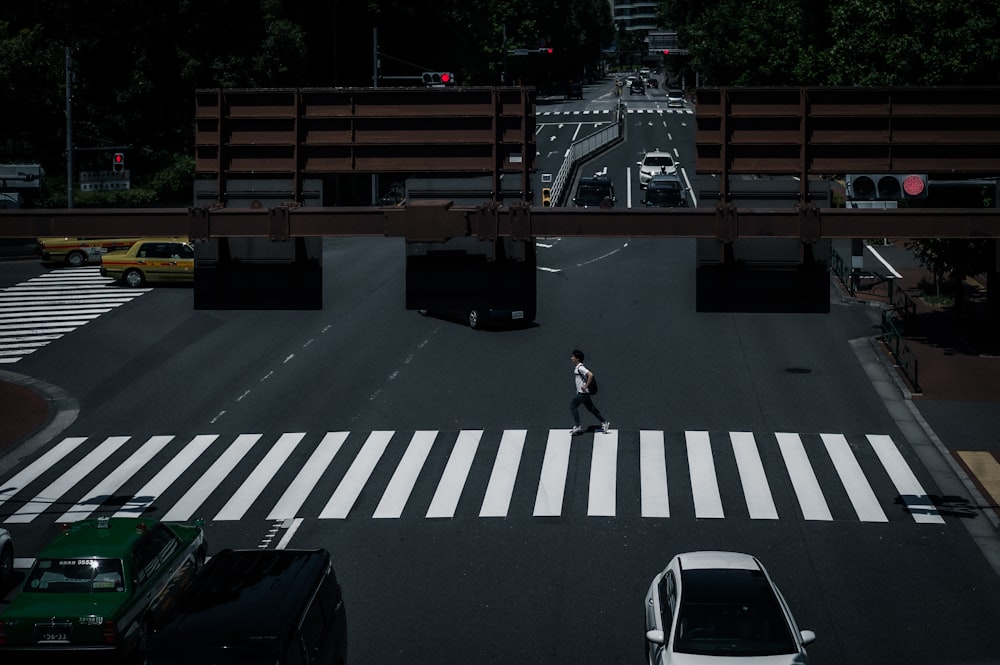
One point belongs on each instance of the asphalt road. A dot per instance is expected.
(430, 575)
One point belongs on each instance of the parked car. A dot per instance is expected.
(653, 163)
(100, 588)
(720, 607)
(6, 558)
(675, 98)
(257, 606)
(595, 192)
(665, 191)
(151, 260)
(76, 252)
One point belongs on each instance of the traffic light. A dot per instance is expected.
(545, 51)
(118, 162)
(439, 78)
(886, 186)
(666, 51)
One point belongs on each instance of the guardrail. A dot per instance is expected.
(898, 307)
(892, 337)
(583, 148)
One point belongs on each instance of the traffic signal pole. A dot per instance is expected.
(69, 129)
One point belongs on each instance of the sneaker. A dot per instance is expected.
(577, 429)
(605, 425)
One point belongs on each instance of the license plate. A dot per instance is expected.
(517, 314)
(53, 633)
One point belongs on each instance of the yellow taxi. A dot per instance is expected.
(79, 251)
(151, 260)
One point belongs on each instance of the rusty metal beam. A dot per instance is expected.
(430, 220)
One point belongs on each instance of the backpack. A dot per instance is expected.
(593, 383)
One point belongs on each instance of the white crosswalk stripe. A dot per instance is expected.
(433, 475)
(44, 308)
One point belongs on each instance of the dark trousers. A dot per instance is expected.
(584, 399)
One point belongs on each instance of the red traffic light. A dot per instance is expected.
(914, 185)
(445, 77)
(118, 162)
(666, 51)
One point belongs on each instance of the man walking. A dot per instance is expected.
(583, 378)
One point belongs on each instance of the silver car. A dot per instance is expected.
(653, 163)
(708, 607)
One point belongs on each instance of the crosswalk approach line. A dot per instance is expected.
(80, 477)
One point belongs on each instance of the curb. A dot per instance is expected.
(63, 410)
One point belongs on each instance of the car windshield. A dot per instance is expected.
(664, 194)
(658, 161)
(730, 613)
(76, 576)
(592, 193)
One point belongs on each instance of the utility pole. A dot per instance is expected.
(69, 129)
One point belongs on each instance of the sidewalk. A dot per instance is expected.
(956, 359)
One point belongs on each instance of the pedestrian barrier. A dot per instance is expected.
(585, 147)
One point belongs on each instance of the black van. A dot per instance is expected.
(257, 606)
(594, 192)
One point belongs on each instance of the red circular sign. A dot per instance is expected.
(913, 185)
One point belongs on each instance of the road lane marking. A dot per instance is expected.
(552, 483)
(756, 491)
(405, 477)
(456, 473)
(603, 475)
(353, 482)
(211, 479)
(111, 483)
(887, 265)
(241, 500)
(803, 478)
(704, 482)
(296, 493)
(653, 474)
(66, 481)
(500, 489)
(162, 481)
(917, 501)
(853, 478)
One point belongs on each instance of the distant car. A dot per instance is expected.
(720, 607)
(595, 192)
(574, 91)
(655, 162)
(151, 260)
(675, 98)
(637, 88)
(100, 588)
(254, 607)
(6, 558)
(76, 252)
(665, 191)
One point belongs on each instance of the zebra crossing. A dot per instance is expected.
(609, 113)
(428, 474)
(41, 310)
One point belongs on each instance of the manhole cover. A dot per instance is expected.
(798, 370)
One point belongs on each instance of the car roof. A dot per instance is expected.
(658, 153)
(88, 538)
(244, 598)
(596, 180)
(664, 177)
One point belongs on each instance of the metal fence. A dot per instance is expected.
(583, 148)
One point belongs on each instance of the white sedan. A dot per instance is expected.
(655, 162)
(720, 607)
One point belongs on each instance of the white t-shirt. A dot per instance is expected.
(580, 375)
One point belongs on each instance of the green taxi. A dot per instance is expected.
(100, 589)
